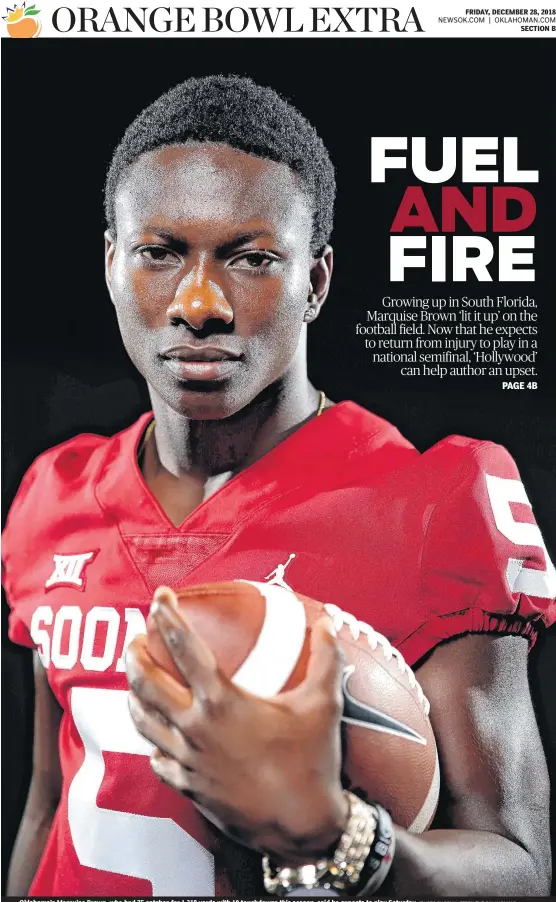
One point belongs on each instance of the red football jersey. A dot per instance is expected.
(345, 510)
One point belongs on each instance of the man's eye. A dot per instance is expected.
(155, 253)
(254, 260)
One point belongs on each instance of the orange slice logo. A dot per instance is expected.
(23, 21)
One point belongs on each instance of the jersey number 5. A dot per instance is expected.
(538, 583)
(151, 848)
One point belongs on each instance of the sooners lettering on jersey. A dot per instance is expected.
(344, 510)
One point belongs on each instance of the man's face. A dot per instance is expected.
(211, 274)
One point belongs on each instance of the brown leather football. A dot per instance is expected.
(259, 634)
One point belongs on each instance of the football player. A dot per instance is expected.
(219, 206)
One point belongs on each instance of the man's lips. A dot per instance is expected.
(201, 364)
(204, 353)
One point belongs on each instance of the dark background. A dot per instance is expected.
(66, 104)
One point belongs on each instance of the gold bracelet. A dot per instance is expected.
(343, 870)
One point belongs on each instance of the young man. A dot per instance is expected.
(219, 205)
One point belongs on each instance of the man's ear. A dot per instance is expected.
(109, 250)
(321, 273)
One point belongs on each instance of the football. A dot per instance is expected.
(259, 634)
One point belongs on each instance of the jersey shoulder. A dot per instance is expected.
(66, 464)
(69, 469)
(466, 473)
(58, 487)
(457, 454)
(66, 469)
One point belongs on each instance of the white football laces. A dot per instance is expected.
(357, 627)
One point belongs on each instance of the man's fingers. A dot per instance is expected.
(170, 771)
(192, 657)
(157, 730)
(155, 686)
(326, 664)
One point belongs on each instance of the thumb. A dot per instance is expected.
(326, 661)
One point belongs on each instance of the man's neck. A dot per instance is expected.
(218, 449)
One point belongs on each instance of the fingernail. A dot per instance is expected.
(166, 595)
(329, 625)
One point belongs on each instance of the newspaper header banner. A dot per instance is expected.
(427, 18)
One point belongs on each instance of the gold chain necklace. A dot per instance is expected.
(150, 427)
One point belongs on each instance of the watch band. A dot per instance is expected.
(381, 855)
(342, 872)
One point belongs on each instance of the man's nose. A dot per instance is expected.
(199, 299)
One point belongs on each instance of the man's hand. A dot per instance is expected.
(266, 772)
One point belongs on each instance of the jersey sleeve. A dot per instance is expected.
(485, 566)
(59, 475)
(13, 542)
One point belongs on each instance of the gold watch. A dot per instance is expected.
(342, 872)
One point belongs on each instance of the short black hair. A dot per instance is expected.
(244, 115)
